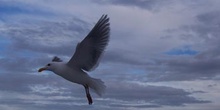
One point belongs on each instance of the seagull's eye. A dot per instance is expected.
(48, 64)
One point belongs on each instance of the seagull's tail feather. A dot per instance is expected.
(97, 85)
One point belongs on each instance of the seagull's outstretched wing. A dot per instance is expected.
(89, 50)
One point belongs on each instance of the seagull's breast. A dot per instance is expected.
(71, 74)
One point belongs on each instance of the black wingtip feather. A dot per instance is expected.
(56, 59)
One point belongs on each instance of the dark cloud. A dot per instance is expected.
(156, 95)
(20, 82)
(125, 57)
(186, 69)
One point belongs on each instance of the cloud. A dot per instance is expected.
(155, 95)
(203, 65)
(145, 4)
(50, 90)
(47, 37)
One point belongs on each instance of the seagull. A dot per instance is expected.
(85, 59)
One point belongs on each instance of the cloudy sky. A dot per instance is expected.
(162, 54)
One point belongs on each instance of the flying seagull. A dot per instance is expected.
(86, 58)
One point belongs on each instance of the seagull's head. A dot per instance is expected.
(50, 66)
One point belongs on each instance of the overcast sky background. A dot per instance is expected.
(162, 54)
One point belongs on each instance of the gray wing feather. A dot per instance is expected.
(89, 50)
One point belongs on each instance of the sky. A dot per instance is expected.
(162, 54)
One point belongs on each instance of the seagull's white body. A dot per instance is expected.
(85, 58)
(78, 76)
(73, 75)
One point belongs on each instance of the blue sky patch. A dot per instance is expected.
(186, 50)
(4, 43)
(22, 9)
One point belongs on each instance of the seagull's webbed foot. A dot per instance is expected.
(88, 94)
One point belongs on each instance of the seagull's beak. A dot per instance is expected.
(41, 69)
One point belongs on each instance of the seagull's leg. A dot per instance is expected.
(88, 94)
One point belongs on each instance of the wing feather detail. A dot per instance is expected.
(90, 49)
